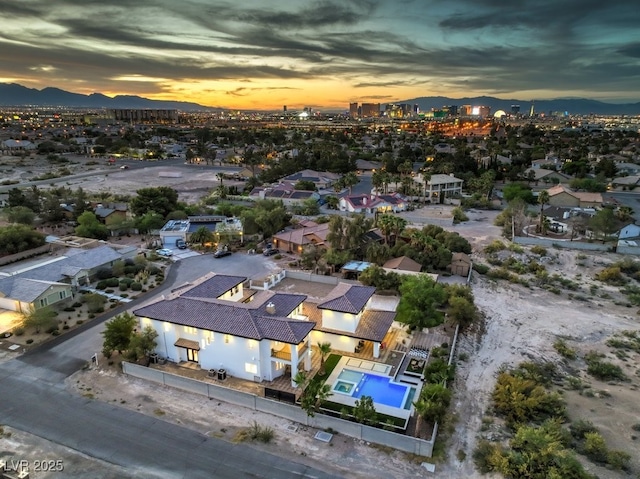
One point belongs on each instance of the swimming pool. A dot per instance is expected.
(380, 388)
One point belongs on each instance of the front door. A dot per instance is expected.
(192, 355)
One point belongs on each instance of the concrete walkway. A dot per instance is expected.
(107, 295)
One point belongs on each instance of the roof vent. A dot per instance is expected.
(271, 308)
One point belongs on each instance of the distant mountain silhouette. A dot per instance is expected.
(12, 94)
(574, 106)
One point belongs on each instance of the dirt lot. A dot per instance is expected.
(192, 182)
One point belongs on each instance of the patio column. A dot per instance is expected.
(376, 350)
(307, 357)
(294, 362)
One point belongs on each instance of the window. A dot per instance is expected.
(63, 294)
(43, 302)
(251, 368)
(210, 337)
(227, 338)
(190, 330)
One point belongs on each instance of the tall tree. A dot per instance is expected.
(420, 297)
(543, 199)
(163, 200)
(90, 227)
(117, 333)
(324, 349)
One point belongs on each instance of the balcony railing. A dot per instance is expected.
(282, 354)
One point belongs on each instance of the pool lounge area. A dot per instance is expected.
(353, 378)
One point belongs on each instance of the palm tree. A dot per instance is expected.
(300, 378)
(350, 180)
(324, 349)
(202, 235)
(543, 199)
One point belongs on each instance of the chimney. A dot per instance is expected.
(271, 308)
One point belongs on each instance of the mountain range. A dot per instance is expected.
(12, 94)
(573, 106)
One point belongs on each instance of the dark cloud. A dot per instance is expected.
(489, 45)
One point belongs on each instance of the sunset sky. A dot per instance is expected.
(263, 54)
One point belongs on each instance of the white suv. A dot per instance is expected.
(164, 252)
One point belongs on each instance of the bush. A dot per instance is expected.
(18, 331)
(612, 275)
(112, 282)
(135, 286)
(55, 332)
(123, 287)
(79, 322)
(101, 284)
(65, 327)
(69, 309)
(104, 273)
(494, 247)
(51, 329)
(108, 291)
(29, 341)
(603, 370)
(76, 305)
(480, 268)
(563, 350)
(539, 250)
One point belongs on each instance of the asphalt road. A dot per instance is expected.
(33, 398)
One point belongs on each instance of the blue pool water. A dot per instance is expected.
(381, 391)
(379, 388)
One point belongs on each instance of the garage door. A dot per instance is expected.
(8, 303)
(170, 241)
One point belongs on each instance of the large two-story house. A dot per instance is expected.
(218, 325)
(259, 336)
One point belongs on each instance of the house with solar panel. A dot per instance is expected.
(219, 324)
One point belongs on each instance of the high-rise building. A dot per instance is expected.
(370, 110)
(515, 109)
(353, 110)
(284, 108)
(465, 110)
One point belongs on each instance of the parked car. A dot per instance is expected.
(270, 251)
(124, 167)
(181, 244)
(164, 252)
(221, 253)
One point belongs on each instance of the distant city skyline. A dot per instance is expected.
(324, 54)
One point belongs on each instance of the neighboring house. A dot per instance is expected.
(625, 181)
(460, 264)
(628, 168)
(371, 203)
(56, 281)
(402, 263)
(296, 239)
(629, 231)
(225, 229)
(284, 192)
(561, 195)
(322, 179)
(366, 165)
(13, 146)
(110, 216)
(439, 187)
(546, 176)
(24, 294)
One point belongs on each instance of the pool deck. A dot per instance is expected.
(368, 367)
